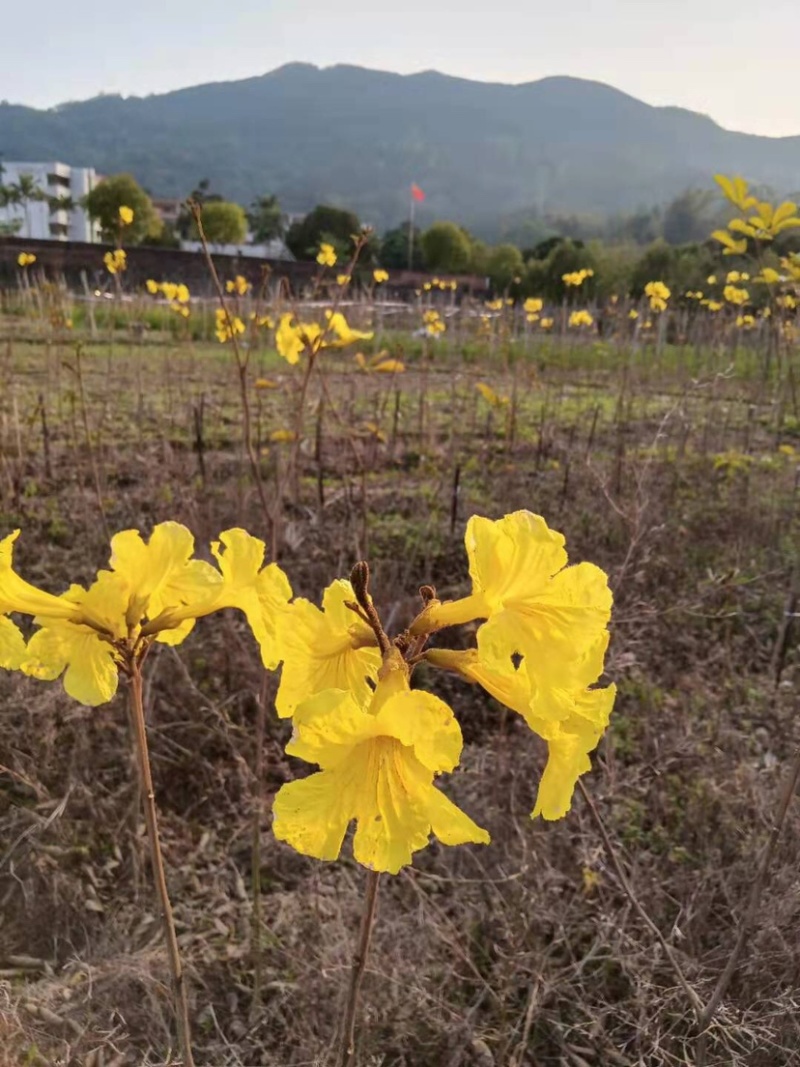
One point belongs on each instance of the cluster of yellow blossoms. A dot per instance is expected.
(116, 262)
(239, 286)
(293, 337)
(25, 259)
(658, 295)
(378, 743)
(177, 293)
(227, 326)
(574, 279)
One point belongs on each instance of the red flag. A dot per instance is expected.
(416, 192)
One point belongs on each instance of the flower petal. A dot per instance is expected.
(88, 661)
(12, 645)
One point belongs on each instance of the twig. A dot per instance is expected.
(348, 1045)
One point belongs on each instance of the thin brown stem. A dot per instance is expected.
(241, 366)
(348, 1044)
(694, 999)
(156, 860)
(255, 844)
(87, 434)
(746, 921)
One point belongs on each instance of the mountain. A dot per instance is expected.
(357, 138)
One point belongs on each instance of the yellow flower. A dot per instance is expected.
(713, 305)
(343, 279)
(736, 190)
(535, 605)
(633, 314)
(769, 276)
(658, 294)
(533, 305)
(732, 247)
(262, 593)
(378, 758)
(265, 383)
(389, 366)
(532, 318)
(24, 259)
(152, 287)
(490, 396)
(494, 305)
(576, 278)
(580, 318)
(126, 215)
(343, 334)
(239, 285)
(711, 279)
(330, 648)
(735, 296)
(227, 326)
(84, 632)
(569, 740)
(745, 322)
(182, 294)
(547, 324)
(380, 276)
(326, 257)
(116, 261)
(282, 437)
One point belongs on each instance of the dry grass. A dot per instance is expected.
(526, 952)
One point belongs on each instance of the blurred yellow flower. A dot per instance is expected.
(533, 305)
(238, 285)
(581, 318)
(343, 279)
(735, 296)
(126, 215)
(152, 287)
(116, 261)
(658, 294)
(227, 326)
(326, 257)
(576, 278)
(490, 396)
(25, 259)
(380, 276)
(547, 324)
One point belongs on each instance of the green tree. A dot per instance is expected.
(323, 224)
(543, 277)
(25, 192)
(393, 253)
(504, 264)
(266, 219)
(689, 217)
(224, 223)
(112, 193)
(446, 248)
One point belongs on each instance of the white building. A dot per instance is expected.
(38, 215)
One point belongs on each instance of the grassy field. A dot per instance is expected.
(675, 468)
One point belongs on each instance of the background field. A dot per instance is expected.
(673, 467)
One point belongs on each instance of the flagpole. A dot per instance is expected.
(411, 201)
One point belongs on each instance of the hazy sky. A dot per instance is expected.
(731, 59)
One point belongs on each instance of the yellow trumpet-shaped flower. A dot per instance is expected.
(227, 326)
(12, 645)
(581, 318)
(152, 287)
(126, 215)
(115, 262)
(533, 305)
(378, 759)
(238, 285)
(569, 740)
(343, 333)
(292, 338)
(328, 649)
(735, 295)
(83, 632)
(380, 276)
(326, 257)
(535, 605)
(261, 592)
(658, 294)
(25, 259)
